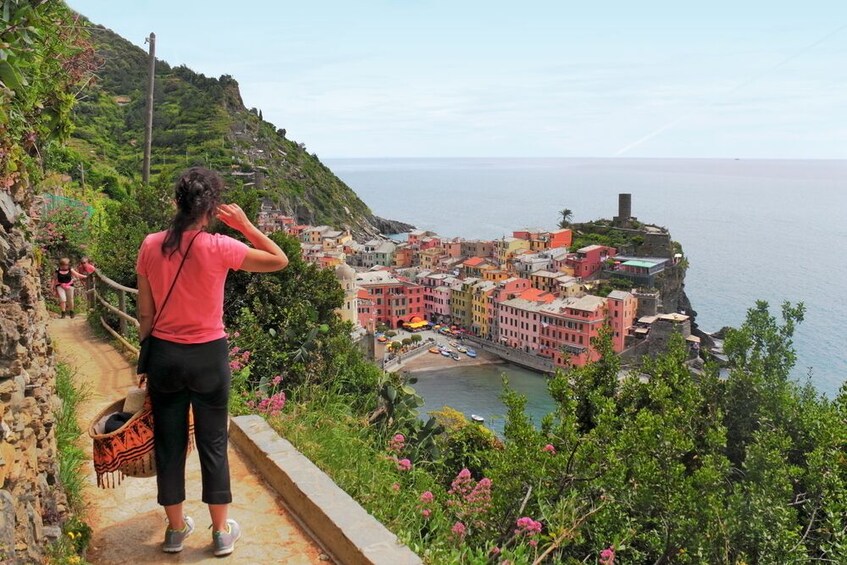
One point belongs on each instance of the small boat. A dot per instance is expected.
(455, 356)
(462, 349)
(446, 353)
(434, 350)
(477, 419)
(452, 343)
(470, 352)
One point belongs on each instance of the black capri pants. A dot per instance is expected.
(197, 375)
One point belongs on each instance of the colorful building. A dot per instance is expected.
(623, 314)
(378, 252)
(508, 247)
(475, 266)
(496, 275)
(589, 260)
(349, 311)
(403, 256)
(567, 327)
(428, 258)
(394, 301)
(477, 248)
(518, 320)
(482, 308)
(461, 301)
(540, 239)
(437, 291)
(642, 271)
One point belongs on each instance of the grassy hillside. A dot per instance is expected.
(197, 120)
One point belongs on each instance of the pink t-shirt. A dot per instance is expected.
(194, 312)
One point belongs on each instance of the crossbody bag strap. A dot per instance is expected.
(176, 276)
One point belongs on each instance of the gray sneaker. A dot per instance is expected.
(175, 538)
(225, 541)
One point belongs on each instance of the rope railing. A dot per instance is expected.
(120, 310)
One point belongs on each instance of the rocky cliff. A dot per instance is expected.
(31, 502)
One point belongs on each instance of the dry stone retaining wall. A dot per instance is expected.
(31, 501)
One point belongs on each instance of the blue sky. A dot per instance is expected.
(424, 78)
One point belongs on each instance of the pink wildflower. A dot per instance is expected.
(459, 530)
(427, 497)
(607, 556)
(395, 487)
(494, 550)
(277, 379)
(397, 443)
(528, 526)
(426, 512)
(404, 465)
(549, 449)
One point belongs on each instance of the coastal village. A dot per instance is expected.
(528, 297)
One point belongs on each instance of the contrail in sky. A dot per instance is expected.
(731, 91)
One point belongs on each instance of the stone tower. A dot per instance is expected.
(624, 217)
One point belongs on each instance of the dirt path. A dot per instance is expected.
(128, 524)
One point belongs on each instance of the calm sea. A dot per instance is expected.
(752, 229)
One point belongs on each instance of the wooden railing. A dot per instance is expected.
(101, 284)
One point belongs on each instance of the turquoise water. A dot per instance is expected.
(771, 230)
(476, 390)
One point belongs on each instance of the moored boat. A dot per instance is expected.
(455, 356)
(434, 350)
(477, 419)
(470, 352)
(462, 349)
(446, 353)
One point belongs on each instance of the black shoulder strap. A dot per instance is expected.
(176, 276)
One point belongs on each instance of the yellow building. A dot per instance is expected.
(507, 247)
(496, 275)
(428, 258)
(461, 302)
(482, 308)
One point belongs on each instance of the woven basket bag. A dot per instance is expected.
(127, 451)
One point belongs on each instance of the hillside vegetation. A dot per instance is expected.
(197, 120)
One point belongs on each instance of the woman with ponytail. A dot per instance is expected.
(181, 277)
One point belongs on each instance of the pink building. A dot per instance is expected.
(365, 309)
(437, 296)
(453, 247)
(394, 301)
(518, 320)
(589, 260)
(623, 308)
(568, 326)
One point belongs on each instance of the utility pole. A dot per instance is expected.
(148, 129)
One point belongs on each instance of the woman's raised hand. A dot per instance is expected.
(233, 216)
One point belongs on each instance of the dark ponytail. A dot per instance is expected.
(198, 194)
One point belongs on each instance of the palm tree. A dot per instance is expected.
(567, 216)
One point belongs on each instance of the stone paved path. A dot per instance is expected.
(128, 524)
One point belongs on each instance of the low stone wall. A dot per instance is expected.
(516, 356)
(31, 501)
(343, 528)
(395, 362)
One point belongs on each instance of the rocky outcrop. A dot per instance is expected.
(31, 500)
(389, 227)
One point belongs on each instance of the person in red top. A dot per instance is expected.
(86, 267)
(188, 364)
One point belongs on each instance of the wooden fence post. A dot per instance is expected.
(122, 306)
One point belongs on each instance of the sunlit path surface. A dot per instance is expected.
(128, 524)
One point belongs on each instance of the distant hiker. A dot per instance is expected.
(86, 267)
(63, 285)
(188, 363)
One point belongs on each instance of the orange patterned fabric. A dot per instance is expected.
(128, 451)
